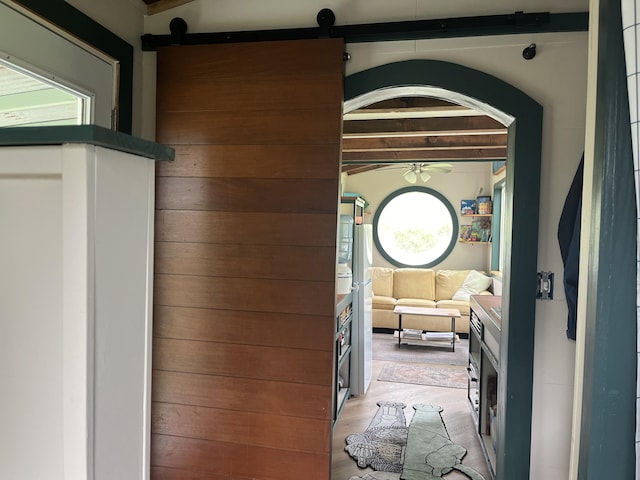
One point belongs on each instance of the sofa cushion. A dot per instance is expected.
(414, 283)
(382, 281)
(416, 302)
(475, 283)
(448, 282)
(383, 303)
(460, 305)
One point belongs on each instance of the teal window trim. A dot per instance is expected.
(74, 21)
(428, 191)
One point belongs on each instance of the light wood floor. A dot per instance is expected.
(359, 411)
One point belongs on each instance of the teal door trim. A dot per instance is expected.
(516, 110)
(608, 423)
(74, 21)
(495, 226)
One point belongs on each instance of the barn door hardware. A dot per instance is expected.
(506, 24)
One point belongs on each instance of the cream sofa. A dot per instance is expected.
(424, 288)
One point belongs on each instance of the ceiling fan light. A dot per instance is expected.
(424, 176)
(410, 176)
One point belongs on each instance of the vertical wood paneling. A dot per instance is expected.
(244, 296)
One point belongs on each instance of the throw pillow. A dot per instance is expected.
(475, 283)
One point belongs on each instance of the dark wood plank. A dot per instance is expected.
(265, 76)
(257, 295)
(251, 161)
(250, 361)
(281, 262)
(277, 93)
(246, 228)
(243, 394)
(230, 195)
(285, 127)
(165, 473)
(264, 430)
(310, 332)
(491, 153)
(418, 143)
(432, 126)
(235, 460)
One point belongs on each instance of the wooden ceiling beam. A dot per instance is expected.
(424, 142)
(353, 169)
(396, 156)
(408, 102)
(421, 126)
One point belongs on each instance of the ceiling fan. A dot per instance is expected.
(414, 171)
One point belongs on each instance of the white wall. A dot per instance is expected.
(124, 18)
(31, 405)
(463, 182)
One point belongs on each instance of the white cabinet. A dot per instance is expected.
(75, 296)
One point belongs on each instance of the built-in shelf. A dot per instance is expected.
(342, 371)
(484, 365)
(478, 231)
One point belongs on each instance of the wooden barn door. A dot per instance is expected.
(246, 221)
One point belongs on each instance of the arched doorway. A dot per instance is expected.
(514, 109)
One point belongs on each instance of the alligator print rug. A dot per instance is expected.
(421, 451)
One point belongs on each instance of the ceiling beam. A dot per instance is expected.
(422, 126)
(350, 144)
(396, 156)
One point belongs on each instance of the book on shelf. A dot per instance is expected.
(412, 333)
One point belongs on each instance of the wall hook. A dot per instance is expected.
(529, 52)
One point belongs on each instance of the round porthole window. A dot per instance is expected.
(415, 227)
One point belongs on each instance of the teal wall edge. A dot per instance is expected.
(607, 437)
(74, 21)
(521, 233)
(89, 134)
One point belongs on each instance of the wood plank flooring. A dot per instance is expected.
(359, 411)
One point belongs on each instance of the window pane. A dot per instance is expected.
(27, 100)
(415, 227)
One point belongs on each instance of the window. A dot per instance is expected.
(67, 64)
(29, 100)
(415, 227)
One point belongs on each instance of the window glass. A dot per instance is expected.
(29, 100)
(415, 227)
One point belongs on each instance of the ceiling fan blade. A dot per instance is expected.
(438, 167)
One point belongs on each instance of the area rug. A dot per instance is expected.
(419, 374)
(421, 451)
(385, 348)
